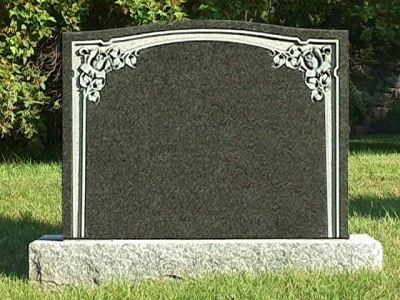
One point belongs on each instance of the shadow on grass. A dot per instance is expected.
(21, 152)
(375, 208)
(15, 236)
(375, 144)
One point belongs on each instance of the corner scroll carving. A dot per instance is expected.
(97, 64)
(313, 62)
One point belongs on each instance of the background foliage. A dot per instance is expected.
(30, 71)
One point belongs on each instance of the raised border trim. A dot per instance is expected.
(289, 51)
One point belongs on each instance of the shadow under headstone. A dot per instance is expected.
(375, 144)
(375, 208)
(15, 235)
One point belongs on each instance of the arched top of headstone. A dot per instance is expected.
(316, 59)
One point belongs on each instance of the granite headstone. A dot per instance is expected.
(205, 130)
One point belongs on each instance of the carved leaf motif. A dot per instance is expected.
(116, 58)
(101, 62)
(96, 64)
(84, 80)
(279, 60)
(325, 80)
(131, 60)
(98, 84)
(295, 51)
(94, 96)
(312, 83)
(293, 62)
(313, 62)
(294, 58)
(317, 95)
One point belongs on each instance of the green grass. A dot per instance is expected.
(30, 206)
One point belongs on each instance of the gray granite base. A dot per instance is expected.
(55, 263)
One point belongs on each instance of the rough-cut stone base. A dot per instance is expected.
(54, 262)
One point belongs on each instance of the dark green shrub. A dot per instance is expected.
(30, 64)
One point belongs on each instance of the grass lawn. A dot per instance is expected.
(30, 206)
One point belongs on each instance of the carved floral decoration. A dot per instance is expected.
(97, 64)
(313, 62)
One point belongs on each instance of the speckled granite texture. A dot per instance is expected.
(204, 140)
(55, 263)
